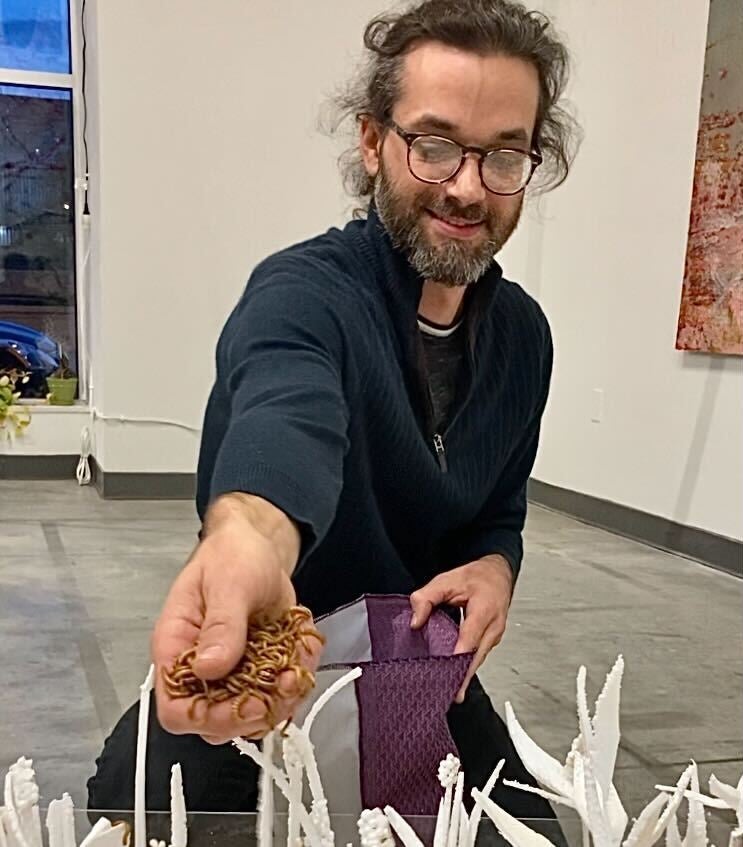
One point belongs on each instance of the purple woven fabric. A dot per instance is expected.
(404, 734)
(403, 698)
(392, 638)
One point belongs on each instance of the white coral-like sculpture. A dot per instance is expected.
(583, 782)
(21, 811)
(724, 796)
(374, 829)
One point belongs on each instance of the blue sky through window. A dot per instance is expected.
(35, 35)
(23, 91)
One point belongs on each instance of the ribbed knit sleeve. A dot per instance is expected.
(279, 361)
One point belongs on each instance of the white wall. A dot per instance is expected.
(54, 431)
(192, 113)
(607, 261)
(208, 160)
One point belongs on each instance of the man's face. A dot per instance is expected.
(451, 232)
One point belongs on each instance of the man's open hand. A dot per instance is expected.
(238, 571)
(483, 590)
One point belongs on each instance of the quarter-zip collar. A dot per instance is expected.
(403, 286)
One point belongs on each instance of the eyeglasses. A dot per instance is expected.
(434, 159)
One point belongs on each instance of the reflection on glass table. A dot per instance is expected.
(210, 829)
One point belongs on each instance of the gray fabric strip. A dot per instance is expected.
(335, 736)
(347, 633)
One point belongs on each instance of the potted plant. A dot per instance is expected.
(62, 385)
(14, 418)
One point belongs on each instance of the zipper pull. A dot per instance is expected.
(438, 445)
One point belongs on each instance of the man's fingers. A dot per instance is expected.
(425, 600)
(491, 638)
(477, 619)
(176, 631)
(171, 637)
(215, 740)
(252, 733)
(422, 609)
(218, 723)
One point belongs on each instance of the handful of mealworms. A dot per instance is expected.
(272, 647)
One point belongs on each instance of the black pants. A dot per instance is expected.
(219, 779)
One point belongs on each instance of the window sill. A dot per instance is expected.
(40, 407)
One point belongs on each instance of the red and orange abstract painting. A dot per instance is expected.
(711, 316)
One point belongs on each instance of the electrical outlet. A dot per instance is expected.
(597, 405)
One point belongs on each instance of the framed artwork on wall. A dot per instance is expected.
(711, 314)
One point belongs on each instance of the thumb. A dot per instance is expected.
(223, 632)
(424, 600)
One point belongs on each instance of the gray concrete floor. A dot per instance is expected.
(81, 581)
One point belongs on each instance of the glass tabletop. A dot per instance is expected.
(223, 829)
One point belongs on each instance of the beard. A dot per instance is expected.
(454, 262)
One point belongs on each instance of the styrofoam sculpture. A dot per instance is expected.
(584, 783)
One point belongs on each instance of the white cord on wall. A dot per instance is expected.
(83, 474)
(83, 466)
(135, 420)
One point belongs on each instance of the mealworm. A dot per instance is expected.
(272, 648)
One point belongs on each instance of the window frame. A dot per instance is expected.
(71, 82)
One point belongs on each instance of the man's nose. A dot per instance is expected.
(467, 187)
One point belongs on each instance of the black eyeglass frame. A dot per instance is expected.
(410, 137)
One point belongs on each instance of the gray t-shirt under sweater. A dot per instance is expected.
(444, 349)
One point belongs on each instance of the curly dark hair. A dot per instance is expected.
(480, 26)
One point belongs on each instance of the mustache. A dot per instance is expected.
(450, 208)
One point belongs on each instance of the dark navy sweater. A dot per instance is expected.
(320, 405)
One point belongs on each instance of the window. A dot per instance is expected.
(37, 177)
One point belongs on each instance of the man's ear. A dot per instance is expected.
(370, 144)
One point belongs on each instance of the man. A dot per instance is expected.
(379, 391)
